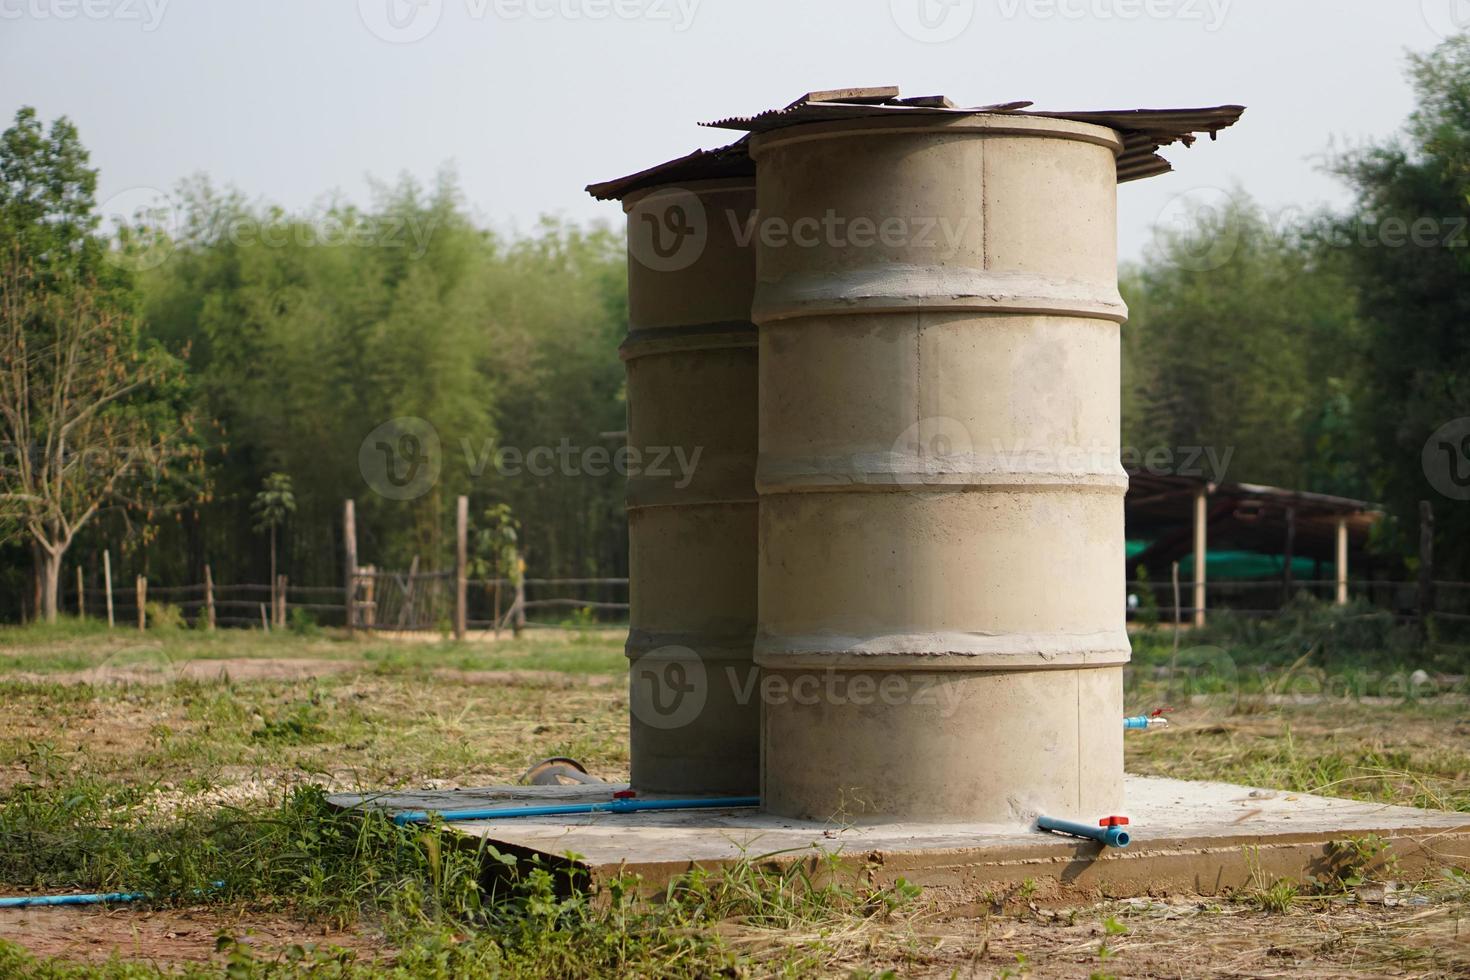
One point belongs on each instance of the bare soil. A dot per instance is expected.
(167, 937)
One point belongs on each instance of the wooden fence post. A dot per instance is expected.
(1426, 566)
(107, 583)
(461, 565)
(282, 582)
(1288, 573)
(349, 543)
(1201, 552)
(141, 585)
(1178, 609)
(518, 618)
(405, 608)
(368, 608)
(496, 618)
(208, 598)
(81, 594)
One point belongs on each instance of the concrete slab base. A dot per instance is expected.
(1200, 838)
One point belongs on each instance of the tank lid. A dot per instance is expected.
(1144, 131)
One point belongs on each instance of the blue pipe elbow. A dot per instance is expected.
(1110, 834)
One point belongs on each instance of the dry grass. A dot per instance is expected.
(83, 707)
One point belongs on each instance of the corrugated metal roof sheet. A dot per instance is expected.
(725, 161)
(1144, 132)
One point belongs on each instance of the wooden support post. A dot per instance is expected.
(107, 583)
(1201, 551)
(1426, 566)
(81, 594)
(141, 585)
(349, 546)
(368, 608)
(461, 565)
(1342, 561)
(208, 598)
(282, 582)
(1178, 612)
(518, 619)
(265, 622)
(496, 618)
(1288, 558)
(405, 609)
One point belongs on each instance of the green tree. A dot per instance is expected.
(272, 506)
(87, 420)
(1243, 333)
(1410, 253)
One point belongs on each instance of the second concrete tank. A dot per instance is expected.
(691, 362)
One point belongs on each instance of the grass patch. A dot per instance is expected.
(173, 786)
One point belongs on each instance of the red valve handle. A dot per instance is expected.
(1113, 822)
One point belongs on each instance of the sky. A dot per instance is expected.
(530, 100)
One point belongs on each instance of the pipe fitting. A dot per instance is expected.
(1109, 832)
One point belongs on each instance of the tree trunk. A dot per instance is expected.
(48, 574)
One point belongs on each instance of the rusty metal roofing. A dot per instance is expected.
(1144, 131)
(726, 161)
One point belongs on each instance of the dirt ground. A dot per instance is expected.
(187, 726)
(168, 937)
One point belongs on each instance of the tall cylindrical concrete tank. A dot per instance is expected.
(691, 362)
(942, 625)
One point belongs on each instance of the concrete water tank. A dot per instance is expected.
(691, 361)
(942, 624)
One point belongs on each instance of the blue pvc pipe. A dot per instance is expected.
(1107, 836)
(98, 898)
(102, 898)
(1135, 724)
(563, 809)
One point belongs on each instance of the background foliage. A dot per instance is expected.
(1323, 355)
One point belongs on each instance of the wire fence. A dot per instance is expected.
(387, 601)
(1156, 600)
